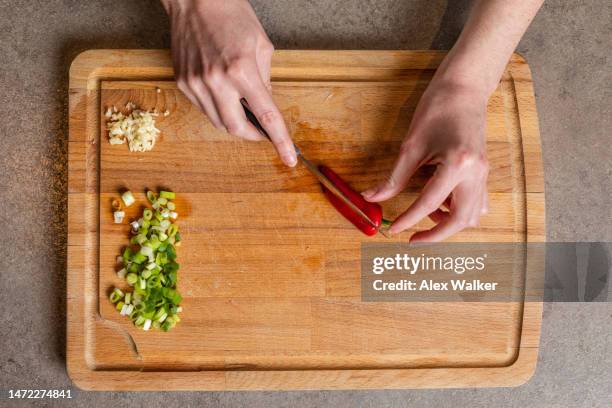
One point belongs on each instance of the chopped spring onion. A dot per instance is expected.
(118, 216)
(146, 250)
(115, 295)
(167, 194)
(131, 278)
(149, 266)
(172, 230)
(151, 196)
(139, 258)
(147, 324)
(128, 198)
(147, 214)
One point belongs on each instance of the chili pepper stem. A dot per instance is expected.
(385, 223)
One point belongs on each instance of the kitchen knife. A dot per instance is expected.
(312, 168)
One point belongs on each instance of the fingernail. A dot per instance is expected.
(370, 192)
(393, 229)
(289, 159)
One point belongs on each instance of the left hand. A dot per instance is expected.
(448, 131)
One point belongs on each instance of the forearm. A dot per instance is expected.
(492, 32)
(167, 4)
(171, 5)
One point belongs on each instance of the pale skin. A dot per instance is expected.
(221, 53)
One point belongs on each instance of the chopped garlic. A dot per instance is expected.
(137, 128)
(166, 112)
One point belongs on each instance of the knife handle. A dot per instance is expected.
(253, 120)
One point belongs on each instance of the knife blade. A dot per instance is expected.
(312, 168)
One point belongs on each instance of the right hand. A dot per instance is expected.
(221, 54)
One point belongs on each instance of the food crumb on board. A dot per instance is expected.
(157, 90)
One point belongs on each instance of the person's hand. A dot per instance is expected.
(221, 54)
(448, 131)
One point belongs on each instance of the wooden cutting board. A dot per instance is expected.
(269, 271)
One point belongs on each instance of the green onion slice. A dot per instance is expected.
(128, 198)
(167, 194)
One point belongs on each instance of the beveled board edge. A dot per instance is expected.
(86, 72)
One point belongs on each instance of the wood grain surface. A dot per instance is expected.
(270, 273)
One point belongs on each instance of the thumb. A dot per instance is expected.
(406, 165)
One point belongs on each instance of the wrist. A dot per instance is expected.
(173, 6)
(458, 87)
(467, 73)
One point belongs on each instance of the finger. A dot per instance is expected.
(477, 210)
(227, 100)
(435, 192)
(439, 215)
(405, 166)
(200, 92)
(485, 202)
(447, 203)
(192, 86)
(440, 232)
(182, 83)
(189, 95)
(263, 107)
(264, 65)
(458, 219)
(205, 100)
(473, 219)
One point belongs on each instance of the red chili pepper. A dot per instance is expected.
(372, 210)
